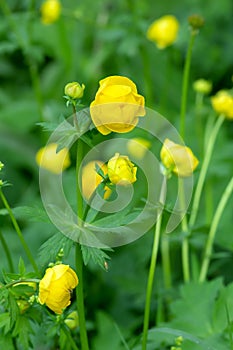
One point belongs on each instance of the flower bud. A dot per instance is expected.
(178, 159)
(202, 86)
(138, 147)
(1, 182)
(1, 165)
(50, 11)
(222, 103)
(163, 32)
(121, 170)
(23, 305)
(91, 179)
(72, 320)
(48, 158)
(196, 21)
(74, 90)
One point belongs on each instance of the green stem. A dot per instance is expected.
(7, 251)
(152, 268)
(69, 337)
(198, 123)
(185, 82)
(34, 280)
(204, 169)
(78, 254)
(19, 233)
(209, 244)
(166, 264)
(185, 251)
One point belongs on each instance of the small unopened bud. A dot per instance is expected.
(179, 340)
(1, 165)
(196, 22)
(23, 305)
(72, 320)
(202, 86)
(74, 90)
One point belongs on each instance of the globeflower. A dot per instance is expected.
(117, 105)
(48, 158)
(222, 103)
(178, 159)
(163, 32)
(202, 86)
(121, 170)
(50, 11)
(137, 147)
(56, 286)
(91, 179)
(74, 90)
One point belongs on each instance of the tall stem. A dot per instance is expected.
(166, 264)
(78, 251)
(204, 168)
(152, 268)
(185, 82)
(7, 251)
(209, 244)
(19, 233)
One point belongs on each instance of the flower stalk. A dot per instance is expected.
(19, 233)
(7, 252)
(152, 268)
(209, 244)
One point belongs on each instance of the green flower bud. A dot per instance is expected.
(196, 22)
(74, 90)
(203, 86)
(1, 165)
(72, 320)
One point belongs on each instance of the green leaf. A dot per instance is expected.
(13, 308)
(5, 321)
(96, 255)
(6, 342)
(22, 330)
(21, 267)
(49, 249)
(223, 309)
(33, 214)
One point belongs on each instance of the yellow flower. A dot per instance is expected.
(163, 31)
(117, 105)
(74, 90)
(121, 170)
(178, 159)
(50, 11)
(56, 286)
(137, 147)
(48, 158)
(222, 103)
(203, 86)
(91, 179)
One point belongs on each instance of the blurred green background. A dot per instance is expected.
(91, 40)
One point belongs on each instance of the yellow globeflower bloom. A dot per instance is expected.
(178, 159)
(121, 170)
(74, 90)
(56, 286)
(203, 86)
(50, 11)
(163, 32)
(137, 147)
(48, 158)
(222, 103)
(117, 105)
(91, 179)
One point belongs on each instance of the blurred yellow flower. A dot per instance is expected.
(50, 11)
(203, 86)
(178, 159)
(137, 147)
(1, 165)
(91, 179)
(74, 90)
(121, 170)
(117, 105)
(56, 286)
(163, 32)
(48, 158)
(222, 103)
